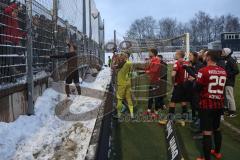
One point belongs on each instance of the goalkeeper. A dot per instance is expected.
(124, 68)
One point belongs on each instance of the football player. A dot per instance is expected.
(179, 76)
(210, 83)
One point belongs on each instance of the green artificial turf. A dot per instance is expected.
(192, 148)
(236, 121)
(139, 141)
(146, 141)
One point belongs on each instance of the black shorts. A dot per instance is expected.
(210, 119)
(73, 77)
(179, 94)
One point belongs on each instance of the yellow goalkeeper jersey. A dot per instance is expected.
(123, 75)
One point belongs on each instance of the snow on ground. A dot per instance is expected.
(78, 107)
(44, 136)
(102, 80)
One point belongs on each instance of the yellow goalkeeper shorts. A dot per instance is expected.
(124, 92)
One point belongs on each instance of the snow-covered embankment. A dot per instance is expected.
(44, 135)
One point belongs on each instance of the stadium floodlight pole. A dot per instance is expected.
(30, 83)
(84, 27)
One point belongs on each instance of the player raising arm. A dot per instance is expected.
(210, 83)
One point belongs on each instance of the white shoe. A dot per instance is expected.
(232, 115)
(132, 115)
(222, 118)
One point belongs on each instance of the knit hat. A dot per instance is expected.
(226, 52)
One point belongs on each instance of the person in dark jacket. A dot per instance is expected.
(232, 70)
(192, 70)
(72, 68)
(221, 61)
(163, 82)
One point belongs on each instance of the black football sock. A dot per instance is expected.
(79, 90)
(218, 141)
(207, 146)
(194, 113)
(171, 113)
(67, 90)
(184, 112)
(184, 109)
(171, 110)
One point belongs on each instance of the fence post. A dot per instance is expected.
(99, 38)
(55, 18)
(90, 27)
(103, 38)
(55, 37)
(30, 83)
(84, 27)
(187, 43)
(103, 42)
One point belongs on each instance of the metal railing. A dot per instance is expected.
(12, 43)
(45, 40)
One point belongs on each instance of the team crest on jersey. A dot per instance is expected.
(199, 75)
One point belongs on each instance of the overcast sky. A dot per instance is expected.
(119, 14)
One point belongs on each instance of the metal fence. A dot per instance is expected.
(48, 37)
(12, 42)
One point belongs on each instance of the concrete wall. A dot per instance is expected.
(14, 103)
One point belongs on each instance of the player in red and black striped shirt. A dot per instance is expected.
(179, 76)
(211, 82)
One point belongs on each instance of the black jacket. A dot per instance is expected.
(221, 63)
(232, 70)
(189, 85)
(193, 70)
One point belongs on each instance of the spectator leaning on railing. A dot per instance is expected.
(232, 70)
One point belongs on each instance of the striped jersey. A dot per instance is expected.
(212, 79)
(181, 75)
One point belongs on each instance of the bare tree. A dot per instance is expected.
(202, 28)
(142, 28)
(168, 28)
(182, 28)
(218, 27)
(232, 23)
(193, 25)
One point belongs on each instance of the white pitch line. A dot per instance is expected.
(235, 129)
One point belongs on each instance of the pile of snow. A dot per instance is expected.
(44, 135)
(89, 104)
(102, 80)
(20, 132)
